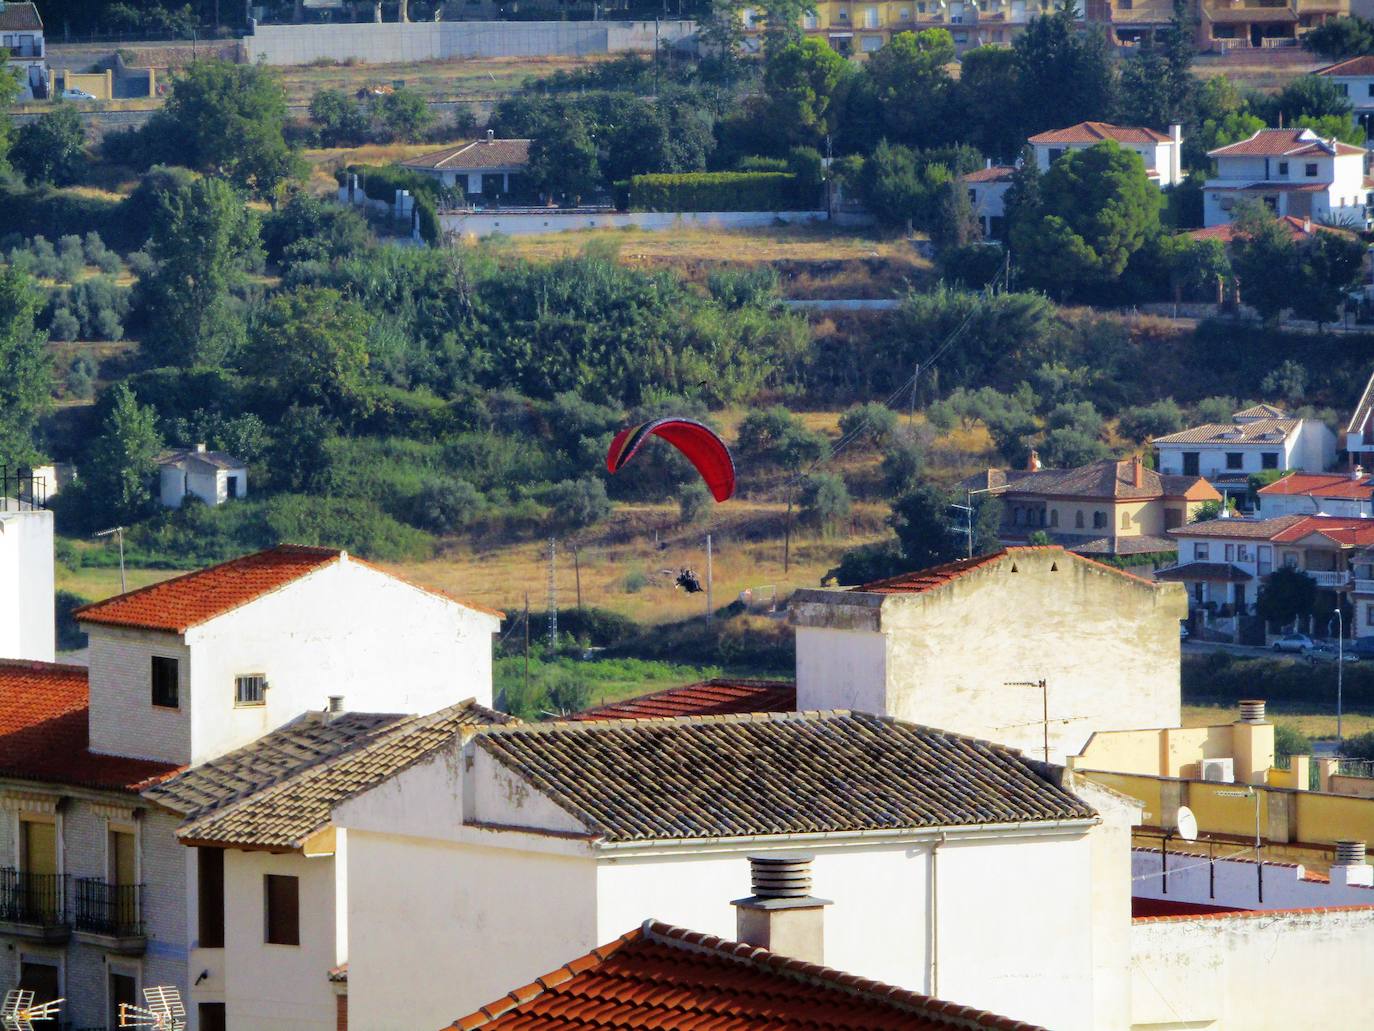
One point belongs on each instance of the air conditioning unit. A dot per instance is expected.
(1219, 771)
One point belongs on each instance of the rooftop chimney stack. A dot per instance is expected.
(1357, 473)
(335, 708)
(1137, 472)
(1350, 866)
(491, 135)
(1033, 463)
(200, 449)
(1252, 743)
(782, 916)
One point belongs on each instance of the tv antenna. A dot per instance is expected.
(18, 1011)
(163, 1012)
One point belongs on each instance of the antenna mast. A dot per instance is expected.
(553, 594)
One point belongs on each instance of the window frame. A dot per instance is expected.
(1309, 169)
(281, 897)
(1202, 551)
(1283, 168)
(160, 662)
(242, 702)
(1269, 459)
(210, 900)
(1235, 460)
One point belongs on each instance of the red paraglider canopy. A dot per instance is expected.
(702, 447)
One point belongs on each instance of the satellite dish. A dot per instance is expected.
(1185, 824)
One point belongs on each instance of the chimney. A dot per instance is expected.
(1252, 742)
(987, 163)
(1033, 463)
(1137, 472)
(335, 708)
(782, 916)
(200, 449)
(1357, 473)
(1307, 224)
(491, 135)
(1176, 153)
(1350, 867)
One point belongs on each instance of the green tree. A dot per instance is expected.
(1157, 87)
(26, 383)
(203, 240)
(872, 424)
(1340, 127)
(1287, 595)
(403, 114)
(1144, 422)
(1311, 96)
(1288, 382)
(1065, 73)
(563, 160)
(912, 84)
(340, 119)
(1332, 266)
(1097, 207)
(928, 527)
(988, 76)
(1339, 38)
(52, 148)
(229, 119)
(311, 346)
(1265, 259)
(119, 470)
(802, 81)
(825, 502)
(9, 93)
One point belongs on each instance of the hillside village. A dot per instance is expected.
(750, 516)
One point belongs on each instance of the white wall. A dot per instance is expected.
(28, 624)
(346, 629)
(527, 223)
(1257, 972)
(951, 652)
(1310, 448)
(1234, 882)
(278, 987)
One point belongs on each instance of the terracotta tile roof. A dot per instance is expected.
(1142, 908)
(1298, 229)
(1096, 132)
(1270, 186)
(660, 976)
(1362, 410)
(1362, 65)
(1109, 479)
(1354, 533)
(1261, 411)
(1282, 143)
(1322, 485)
(1210, 572)
(178, 604)
(937, 576)
(774, 773)
(719, 697)
(43, 731)
(1243, 529)
(1254, 914)
(995, 174)
(475, 156)
(20, 18)
(216, 459)
(1242, 434)
(285, 811)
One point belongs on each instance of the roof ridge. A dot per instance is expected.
(435, 591)
(559, 726)
(39, 666)
(901, 999)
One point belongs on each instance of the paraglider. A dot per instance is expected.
(706, 451)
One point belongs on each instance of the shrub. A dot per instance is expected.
(1289, 741)
(717, 191)
(64, 325)
(824, 502)
(578, 503)
(448, 505)
(743, 288)
(871, 424)
(1144, 422)
(694, 502)
(81, 378)
(634, 581)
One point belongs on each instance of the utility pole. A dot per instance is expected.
(709, 608)
(787, 534)
(527, 644)
(577, 573)
(553, 594)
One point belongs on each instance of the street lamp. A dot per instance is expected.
(1259, 842)
(1340, 674)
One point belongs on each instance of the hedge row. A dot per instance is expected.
(1220, 678)
(718, 191)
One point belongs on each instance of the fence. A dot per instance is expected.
(33, 898)
(22, 489)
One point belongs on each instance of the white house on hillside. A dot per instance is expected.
(1354, 77)
(21, 33)
(480, 169)
(1162, 154)
(987, 194)
(953, 647)
(1256, 439)
(212, 476)
(181, 673)
(1293, 171)
(1333, 494)
(27, 615)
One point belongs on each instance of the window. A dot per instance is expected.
(1054, 517)
(165, 692)
(43, 979)
(123, 991)
(869, 44)
(1269, 460)
(1310, 170)
(38, 847)
(1055, 154)
(1264, 559)
(212, 1016)
(1099, 520)
(1200, 551)
(972, 196)
(904, 14)
(1369, 615)
(870, 17)
(122, 856)
(810, 21)
(250, 689)
(1234, 460)
(1078, 520)
(1190, 463)
(1230, 553)
(1290, 560)
(1283, 168)
(282, 909)
(1370, 88)
(1344, 88)
(210, 897)
(1125, 520)
(1242, 553)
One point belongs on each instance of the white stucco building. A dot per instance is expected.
(481, 170)
(987, 194)
(1354, 77)
(523, 845)
(213, 476)
(1293, 171)
(1359, 431)
(27, 614)
(1257, 439)
(181, 673)
(1162, 153)
(954, 647)
(21, 33)
(1332, 494)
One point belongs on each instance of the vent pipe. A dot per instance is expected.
(335, 708)
(1350, 867)
(1252, 710)
(782, 916)
(1349, 853)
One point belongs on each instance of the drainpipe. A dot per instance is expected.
(934, 978)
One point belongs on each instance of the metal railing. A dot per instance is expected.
(1329, 577)
(33, 898)
(105, 908)
(22, 489)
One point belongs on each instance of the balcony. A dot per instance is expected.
(1364, 586)
(34, 905)
(111, 912)
(1334, 579)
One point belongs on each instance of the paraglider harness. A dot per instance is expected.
(688, 581)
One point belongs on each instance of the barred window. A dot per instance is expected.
(250, 689)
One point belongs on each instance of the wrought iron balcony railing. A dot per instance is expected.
(105, 908)
(39, 899)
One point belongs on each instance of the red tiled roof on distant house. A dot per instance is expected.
(43, 732)
(1349, 531)
(1096, 132)
(1321, 485)
(1362, 65)
(1298, 229)
(937, 576)
(178, 604)
(720, 697)
(20, 18)
(1283, 143)
(659, 976)
(1353, 532)
(995, 174)
(478, 155)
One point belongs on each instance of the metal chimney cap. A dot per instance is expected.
(1252, 710)
(1349, 853)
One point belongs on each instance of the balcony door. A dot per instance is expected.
(122, 857)
(43, 979)
(38, 848)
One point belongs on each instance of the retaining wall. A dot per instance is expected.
(527, 223)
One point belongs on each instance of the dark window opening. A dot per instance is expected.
(210, 897)
(165, 688)
(42, 979)
(1269, 460)
(123, 992)
(1234, 460)
(1190, 463)
(281, 898)
(212, 1016)
(1310, 169)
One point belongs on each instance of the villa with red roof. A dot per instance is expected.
(1292, 171)
(1354, 77)
(1161, 152)
(1332, 494)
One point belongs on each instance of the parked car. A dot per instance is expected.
(1361, 648)
(72, 93)
(1298, 644)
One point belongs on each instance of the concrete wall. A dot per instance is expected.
(341, 630)
(951, 651)
(396, 43)
(1258, 972)
(1234, 881)
(28, 624)
(474, 225)
(1179, 751)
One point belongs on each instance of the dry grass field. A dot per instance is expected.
(470, 79)
(1313, 724)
